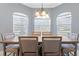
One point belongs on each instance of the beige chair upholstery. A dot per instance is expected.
(1, 39)
(51, 46)
(28, 45)
(46, 34)
(36, 33)
(78, 37)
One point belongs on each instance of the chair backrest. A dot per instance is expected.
(46, 33)
(1, 36)
(28, 44)
(8, 35)
(2, 45)
(1, 39)
(78, 37)
(36, 33)
(73, 36)
(51, 45)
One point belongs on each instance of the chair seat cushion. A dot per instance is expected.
(13, 46)
(68, 46)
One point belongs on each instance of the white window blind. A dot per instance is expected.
(64, 23)
(42, 24)
(20, 24)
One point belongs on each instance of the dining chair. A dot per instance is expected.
(51, 45)
(1, 45)
(28, 45)
(46, 33)
(78, 40)
(39, 34)
(36, 33)
(10, 48)
(70, 49)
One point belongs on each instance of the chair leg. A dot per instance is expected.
(20, 53)
(17, 52)
(62, 53)
(66, 53)
(13, 54)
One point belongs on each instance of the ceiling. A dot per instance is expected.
(39, 5)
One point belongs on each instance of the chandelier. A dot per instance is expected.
(41, 12)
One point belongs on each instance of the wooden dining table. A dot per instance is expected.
(65, 40)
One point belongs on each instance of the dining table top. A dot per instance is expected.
(16, 40)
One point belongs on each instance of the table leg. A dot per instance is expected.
(75, 53)
(4, 49)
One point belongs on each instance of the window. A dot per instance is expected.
(20, 24)
(42, 24)
(64, 23)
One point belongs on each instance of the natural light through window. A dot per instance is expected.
(64, 23)
(20, 24)
(42, 24)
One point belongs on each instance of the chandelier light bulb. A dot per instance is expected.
(37, 14)
(43, 13)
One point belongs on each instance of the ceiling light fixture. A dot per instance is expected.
(41, 12)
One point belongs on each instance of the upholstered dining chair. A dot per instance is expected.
(46, 33)
(10, 48)
(78, 40)
(1, 45)
(28, 45)
(51, 45)
(69, 49)
(36, 33)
